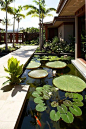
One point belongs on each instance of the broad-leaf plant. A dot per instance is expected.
(15, 70)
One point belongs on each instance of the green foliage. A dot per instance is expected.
(15, 70)
(69, 83)
(65, 109)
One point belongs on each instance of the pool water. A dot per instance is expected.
(28, 120)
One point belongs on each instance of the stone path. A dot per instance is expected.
(12, 99)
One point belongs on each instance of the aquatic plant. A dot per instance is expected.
(33, 65)
(15, 70)
(69, 83)
(39, 73)
(64, 109)
(56, 64)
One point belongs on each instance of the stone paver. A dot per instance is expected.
(12, 99)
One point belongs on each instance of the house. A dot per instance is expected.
(69, 10)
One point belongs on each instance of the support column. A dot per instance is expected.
(85, 16)
(76, 37)
(46, 32)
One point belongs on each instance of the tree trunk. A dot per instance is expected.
(13, 31)
(40, 44)
(42, 31)
(6, 47)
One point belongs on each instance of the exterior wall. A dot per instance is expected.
(52, 32)
(68, 30)
(61, 32)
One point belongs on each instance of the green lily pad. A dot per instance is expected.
(78, 103)
(54, 104)
(38, 73)
(62, 109)
(40, 107)
(46, 87)
(55, 116)
(68, 117)
(69, 83)
(33, 65)
(75, 110)
(39, 89)
(35, 94)
(46, 96)
(38, 100)
(77, 96)
(56, 64)
(70, 95)
(67, 103)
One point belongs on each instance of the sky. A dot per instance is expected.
(28, 21)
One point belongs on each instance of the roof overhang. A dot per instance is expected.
(69, 7)
(57, 21)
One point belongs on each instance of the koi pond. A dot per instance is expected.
(52, 100)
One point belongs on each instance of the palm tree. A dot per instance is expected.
(8, 22)
(41, 10)
(18, 18)
(5, 5)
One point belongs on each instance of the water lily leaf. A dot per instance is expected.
(54, 104)
(77, 96)
(46, 96)
(62, 109)
(46, 87)
(40, 107)
(70, 95)
(75, 110)
(55, 116)
(69, 83)
(78, 103)
(39, 89)
(67, 103)
(38, 100)
(53, 89)
(68, 117)
(33, 65)
(56, 64)
(35, 94)
(38, 73)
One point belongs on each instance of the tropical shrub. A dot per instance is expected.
(15, 70)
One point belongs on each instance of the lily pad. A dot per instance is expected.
(67, 103)
(33, 65)
(54, 104)
(69, 83)
(55, 116)
(45, 96)
(39, 89)
(78, 103)
(40, 107)
(78, 96)
(75, 110)
(70, 95)
(38, 100)
(68, 117)
(56, 64)
(38, 73)
(35, 94)
(62, 109)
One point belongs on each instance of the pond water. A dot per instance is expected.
(28, 120)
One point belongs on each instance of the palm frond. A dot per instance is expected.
(50, 9)
(30, 7)
(31, 12)
(35, 15)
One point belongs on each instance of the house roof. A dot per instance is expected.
(58, 21)
(69, 7)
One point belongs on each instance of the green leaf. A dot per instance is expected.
(62, 109)
(55, 116)
(78, 96)
(33, 65)
(39, 89)
(40, 107)
(38, 73)
(75, 110)
(70, 95)
(45, 96)
(46, 87)
(56, 64)
(38, 100)
(54, 104)
(68, 117)
(35, 94)
(69, 83)
(67, 103)
(78, 103)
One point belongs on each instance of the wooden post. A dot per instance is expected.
(46, 32)
(85, 16)
(16, 37)
(0, 37)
